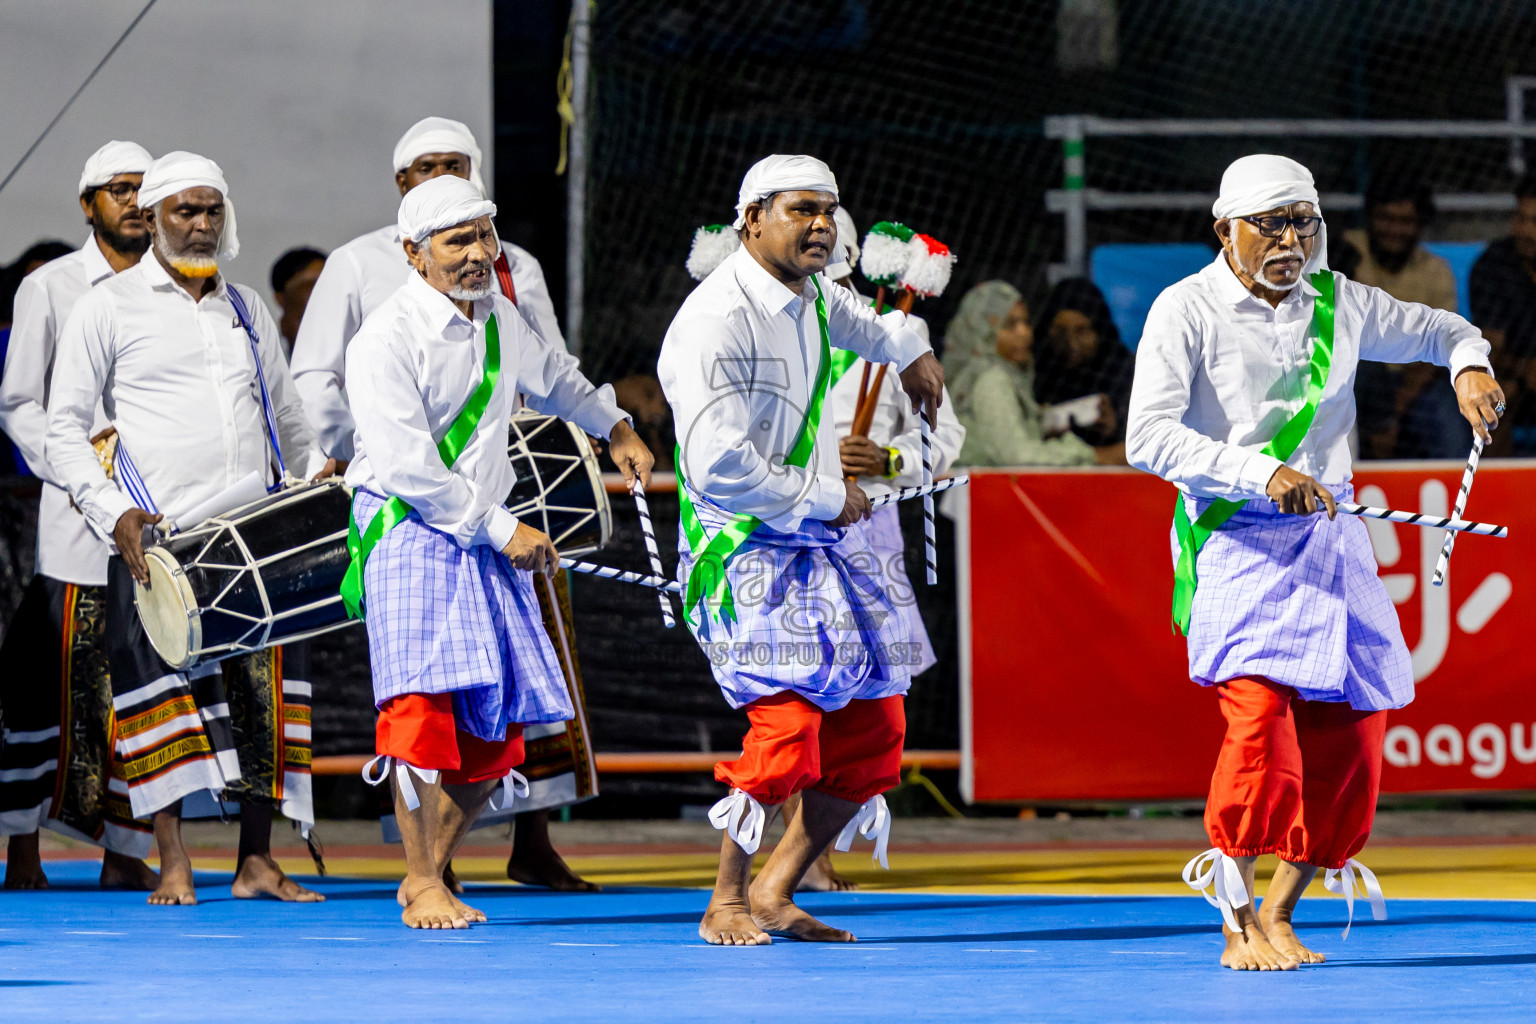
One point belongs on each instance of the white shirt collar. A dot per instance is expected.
(766, 290)
(158, 279)
(438, 308)
(97, 269)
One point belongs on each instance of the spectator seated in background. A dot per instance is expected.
(1402, 412)
(1503, 300)
(11, 462)
(1080, 353)
(293, 278)
(987, 364)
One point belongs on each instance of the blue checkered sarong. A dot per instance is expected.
(442, 619)
(1296, 599)
(812, 617)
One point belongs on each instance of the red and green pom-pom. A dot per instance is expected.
(928, 267)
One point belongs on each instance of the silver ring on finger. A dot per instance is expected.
(1499, 409)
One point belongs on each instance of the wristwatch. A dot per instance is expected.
(892, 463)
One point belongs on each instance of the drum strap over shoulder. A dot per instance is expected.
(360, 545)
(244, 316)
(707, 580)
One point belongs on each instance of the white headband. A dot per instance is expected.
(440, 203)
(111, 160)
(439, 135)
(780, 173)
(178, 171)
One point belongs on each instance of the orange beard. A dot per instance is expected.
(195, 267)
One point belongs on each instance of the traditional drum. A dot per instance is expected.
(559, 487)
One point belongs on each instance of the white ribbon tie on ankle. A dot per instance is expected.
(872, 821)
(402, 775)
(1215, 870)
(514, 787)
(742, 818)
(1341, 882)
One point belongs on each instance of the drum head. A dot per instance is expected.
(168, 609)
(559, 487)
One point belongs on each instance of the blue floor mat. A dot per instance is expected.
(76, 953)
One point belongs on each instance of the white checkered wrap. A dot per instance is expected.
(442, 619)
(1295, 599)
(812, 617)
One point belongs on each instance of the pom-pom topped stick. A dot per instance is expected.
(712, 243)
(928, 269)
(884, 257)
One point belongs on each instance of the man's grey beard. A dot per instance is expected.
(191, 266)
(1265, 282)
(462, 294)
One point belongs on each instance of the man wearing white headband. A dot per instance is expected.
(63, 605)
(780, 589)
(355, 281)
(189, 369)
(1244, 399)
(441, 571)
(360, 275)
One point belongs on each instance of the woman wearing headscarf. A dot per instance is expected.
(988, 366)
(1080, 353)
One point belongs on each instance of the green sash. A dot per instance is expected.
(707, 579)
(449, 448)
(1192, 536)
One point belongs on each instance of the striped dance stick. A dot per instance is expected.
(1420, 519)
(638, 491)
(1444, 562)
(907, 493)
(607, 572)
(930, 548)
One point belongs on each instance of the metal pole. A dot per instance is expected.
(1073, 167)
(576, 176)
(1514, 109)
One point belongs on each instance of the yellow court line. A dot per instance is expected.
(1443, 872)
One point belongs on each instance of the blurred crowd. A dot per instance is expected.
(1050, 386)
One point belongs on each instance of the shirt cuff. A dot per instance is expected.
(317, 461)
(828, 496)
(110, 504)
(906, 344)
(1469, 354)
(1257, 470)
(499, 527)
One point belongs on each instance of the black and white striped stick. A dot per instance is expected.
(930, 548)
(607, 572)
(1444, 562)
(638, 491)
(1420, 519)
(907, 493)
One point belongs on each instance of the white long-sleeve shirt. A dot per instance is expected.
(355, 281)
(411, 369)
(66, 548)
(1219, 371)
(177, 378)
(738, 364)
(895, 425)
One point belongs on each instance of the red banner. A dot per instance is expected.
(1076, 688)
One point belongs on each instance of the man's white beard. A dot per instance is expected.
(187, 266)
(1265, 282)
(462, 294)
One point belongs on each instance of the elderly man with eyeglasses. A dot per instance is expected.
(1244, 399)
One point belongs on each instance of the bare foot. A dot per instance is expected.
(451, 880)
(259, 875)
(777, 915)
(822, 878)
(466, 911)
(119, 871)
(432, 907)
(547, 868)
(727, 922)
(175, 888)
(1249, 950)
(24, 864)
(1277, 928)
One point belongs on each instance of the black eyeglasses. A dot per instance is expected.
(1274, 227)
(120, 191)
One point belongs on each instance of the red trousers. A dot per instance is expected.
(852, 753)
(420, 729)
(1295, 778)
